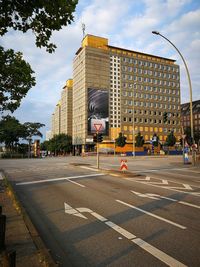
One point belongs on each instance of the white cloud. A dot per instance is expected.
(126, 24)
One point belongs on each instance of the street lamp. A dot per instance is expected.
(134, 119)
(190, 87)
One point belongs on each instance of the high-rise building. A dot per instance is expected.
(66, 108)
(56, 120)
(120, 90)
(61, 119)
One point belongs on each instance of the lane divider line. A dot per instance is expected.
(155, 252)
(153, 215)
(59, 179)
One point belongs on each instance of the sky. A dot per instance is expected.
(127, 24)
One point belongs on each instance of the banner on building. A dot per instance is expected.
(98, 110)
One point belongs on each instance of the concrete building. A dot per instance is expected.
(66, 108)
(185, 115)
(119, 90)
(61, 119)
(56, 119)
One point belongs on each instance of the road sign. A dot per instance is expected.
(98, 126)
(124, 165)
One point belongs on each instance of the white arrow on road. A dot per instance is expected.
(158, 197)
(162, 256)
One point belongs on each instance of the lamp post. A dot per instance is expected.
(190, 87)
(134, 119)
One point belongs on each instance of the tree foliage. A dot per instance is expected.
(42, 17)
(32, 129)
(171, 139)
(10, 131)
(139, 140)
(121, 140)
(16, 78)
(59, 144)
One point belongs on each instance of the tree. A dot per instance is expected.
(15, 79)
(121, 140)
(10, 132)
(42, 17)
(171, 139)
(61, 143)
(31, 129)
(139, 140)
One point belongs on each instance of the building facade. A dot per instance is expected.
(66, 108)
(119, 90)
(61, 119)
(185, 115)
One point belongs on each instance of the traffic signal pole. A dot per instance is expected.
(97, 152)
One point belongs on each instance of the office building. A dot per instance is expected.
(185, 115)
(66, 108)
(120, 90)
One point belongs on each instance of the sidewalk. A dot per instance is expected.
(19, 236)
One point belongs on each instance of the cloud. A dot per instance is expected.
(126, 24)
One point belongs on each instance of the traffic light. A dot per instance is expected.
(95, 138)
(165, 117)
(99, 137)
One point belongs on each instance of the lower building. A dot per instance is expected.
(185, 116)
(61, 120)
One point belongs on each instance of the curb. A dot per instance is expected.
(43, 253)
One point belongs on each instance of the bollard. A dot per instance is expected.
(12, 258)
(2, 231)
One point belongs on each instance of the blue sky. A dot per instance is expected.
(127, 24)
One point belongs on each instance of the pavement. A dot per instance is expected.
(21, 236)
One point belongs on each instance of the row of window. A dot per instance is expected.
(151, 64)
(149, 80)
(150, 96)
(150, 72)
(150, 112)
(145, 88)
(151, 104)
(149, 121)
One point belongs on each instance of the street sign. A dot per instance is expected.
(97, 126)
(124, 165)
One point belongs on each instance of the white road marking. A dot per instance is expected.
(160, 255)
(197, 194)
(120, 230)
(81, 185)
(147, 178)
(185, 186)
(59, 179)
(152, 215)
(145, 195)
(159, 197)
(162, 183)
(88, 168)
(71, 211)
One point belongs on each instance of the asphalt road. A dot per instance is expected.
(149, 216)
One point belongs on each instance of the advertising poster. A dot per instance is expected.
(98, 111)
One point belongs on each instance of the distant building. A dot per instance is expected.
(61, 120)
(185, 115)
(66, 108)
(48, 135)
